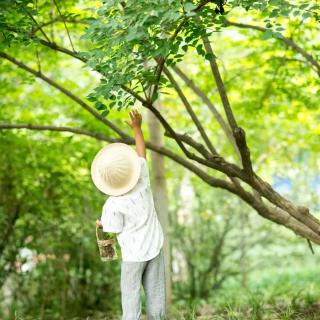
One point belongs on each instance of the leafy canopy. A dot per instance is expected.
(130, 37)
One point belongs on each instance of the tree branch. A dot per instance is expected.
(214, 162)
(64, 91)
(223, 95)
(91, 134)
(57, 19)
(290, 43)
(207, 101)
(162, 60)
(65, 25)
(196, 145)
(238, 133)
(282, 216)
(190, 111)
(218, 183)
(35, 22)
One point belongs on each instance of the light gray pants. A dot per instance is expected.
(151, 275)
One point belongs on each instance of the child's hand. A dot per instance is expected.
(98, 223)
(136, 119)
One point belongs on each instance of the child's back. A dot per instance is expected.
(133, 217)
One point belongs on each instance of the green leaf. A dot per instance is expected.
(100, 106)
(209, 56)
(306, 15)
(169, 62)
(91, 97)
(304, 6)
(154, 97)
(200, 50)
(112, 104)
(274, 13)
(267, 34)
(105, 113)
(185, 48)
(189, 6)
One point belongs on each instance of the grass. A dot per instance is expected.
(287, 295)
(277, 295)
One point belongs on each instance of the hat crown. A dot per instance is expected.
(116, 170)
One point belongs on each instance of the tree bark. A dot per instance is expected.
(160, 195)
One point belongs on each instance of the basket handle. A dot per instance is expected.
(97, 234)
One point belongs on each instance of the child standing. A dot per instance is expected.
(130, 213)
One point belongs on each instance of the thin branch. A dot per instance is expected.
(36, 23)
(201, 5)
(223, 95)
(168, 129)
(191, 142)
(290, 43)
(57, 19)
(163, 121)
(214, 162)
(64, 91)
(293, 60)
(30, 126)
(238, 133)
(55, 47)
(208, 102)
(38, 60)
(191, 112)
(162, 60)
(65, 25)
(218, 183)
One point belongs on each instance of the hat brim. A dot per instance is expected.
(98, 161)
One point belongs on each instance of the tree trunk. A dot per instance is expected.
(160, 194)
(243, 248)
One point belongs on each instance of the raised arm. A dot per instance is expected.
(135, 124)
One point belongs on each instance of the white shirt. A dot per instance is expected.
(133, 217)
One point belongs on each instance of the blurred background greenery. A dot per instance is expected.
(227, 262)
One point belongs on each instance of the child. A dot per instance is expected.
(130, 213)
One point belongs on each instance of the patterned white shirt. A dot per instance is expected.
(132, 216)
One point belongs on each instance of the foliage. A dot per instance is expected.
(274, 93)
(131, 38)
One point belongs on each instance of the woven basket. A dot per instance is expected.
(107, 248)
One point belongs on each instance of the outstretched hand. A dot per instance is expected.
(135, 119)
(135, 124)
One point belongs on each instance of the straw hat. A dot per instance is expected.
(115, 169)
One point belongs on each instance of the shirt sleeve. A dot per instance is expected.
(144, 174)
(111, 219)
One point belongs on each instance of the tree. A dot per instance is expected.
(125, 35)
(160, 195)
